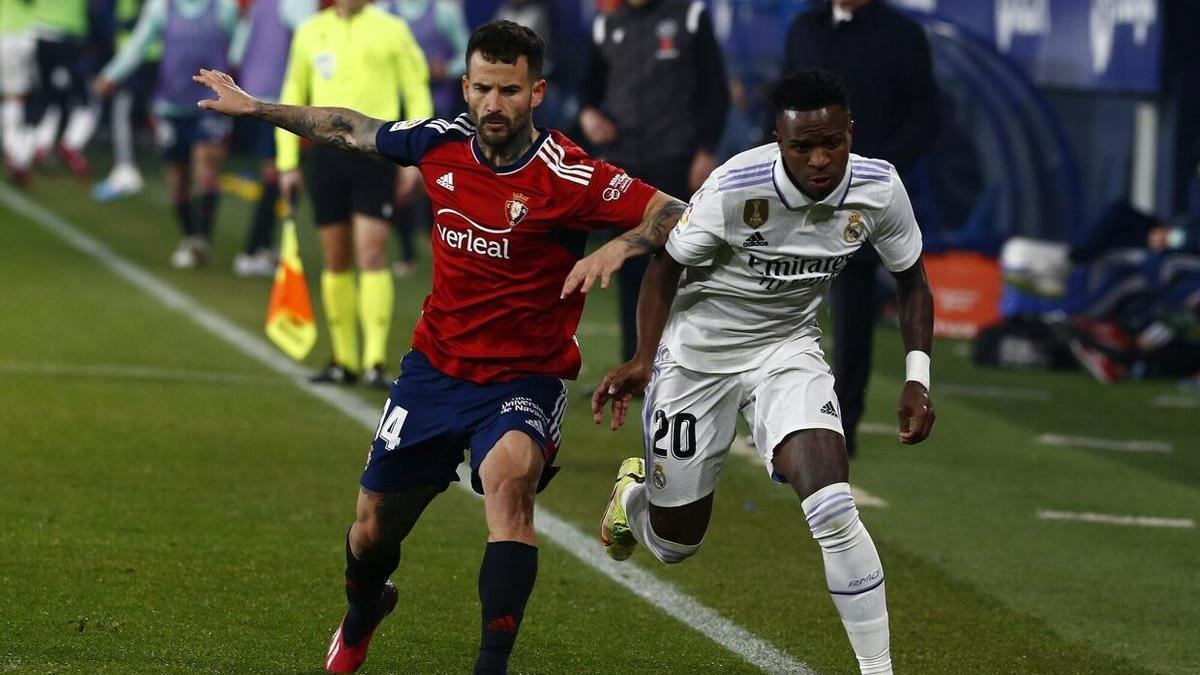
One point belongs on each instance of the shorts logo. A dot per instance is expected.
(755, 213)
(660, 477)
(854, 229)
(515, 209)
(828, 409)
(537, 426)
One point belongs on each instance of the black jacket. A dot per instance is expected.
(657, 72)
(883, 57)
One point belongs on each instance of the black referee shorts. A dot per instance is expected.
(342, 183)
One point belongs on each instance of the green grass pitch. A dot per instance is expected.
(168, 504)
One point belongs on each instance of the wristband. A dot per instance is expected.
(916, 368)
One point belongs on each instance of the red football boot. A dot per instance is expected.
(74, 160)
(344, 658)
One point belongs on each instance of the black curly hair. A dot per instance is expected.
(809, 90)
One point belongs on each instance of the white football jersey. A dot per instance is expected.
(761, 254)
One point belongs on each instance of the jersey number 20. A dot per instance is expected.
(681, 429)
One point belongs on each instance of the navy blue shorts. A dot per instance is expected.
(176, 134)
(431, 419)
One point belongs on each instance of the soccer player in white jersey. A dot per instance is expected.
(727, 324)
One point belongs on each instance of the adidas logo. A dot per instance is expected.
(755, 239)
(828, 409)
(537, 426)
(447, 181)
(503, 624)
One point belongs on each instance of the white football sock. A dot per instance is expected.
(637, 510)
(12, 126)
(80, 126)
(854, 574)
(47, 129)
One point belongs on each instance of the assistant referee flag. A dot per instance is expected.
(290, 323)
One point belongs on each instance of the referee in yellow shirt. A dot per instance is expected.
(355, 56)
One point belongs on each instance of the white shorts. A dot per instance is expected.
(17, 63)
(690, 418)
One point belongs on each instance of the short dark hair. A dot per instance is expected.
(809, 90)
(506, 42)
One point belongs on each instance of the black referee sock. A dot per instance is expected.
(183, 210)
(364, 586)
(262, 228)
(208, 211)
(505, 581)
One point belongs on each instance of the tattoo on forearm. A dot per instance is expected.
(652, 233)
(340, 127)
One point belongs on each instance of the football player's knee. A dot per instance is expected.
(668, 551)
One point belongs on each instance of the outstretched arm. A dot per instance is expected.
(654, 305)
(915, 304)
(340, 127)
(661, 214)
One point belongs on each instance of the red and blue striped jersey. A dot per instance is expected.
(504, 239)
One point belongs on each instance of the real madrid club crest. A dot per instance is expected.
(660, 477)
(515, 209)
(854, 229)
(755, 213)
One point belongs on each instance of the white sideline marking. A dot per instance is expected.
(1103, 443)
(661, 594)
(742, 447)
(134, 372)
(1168, 401)
(1108, 519)
(992, 391)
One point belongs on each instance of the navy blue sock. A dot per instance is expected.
(364, 588)
(262, 228)
(505, 581)
(183, 210)
(208, 212)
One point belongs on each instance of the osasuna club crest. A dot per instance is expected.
(515, 209)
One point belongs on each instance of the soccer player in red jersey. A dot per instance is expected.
(513, 205)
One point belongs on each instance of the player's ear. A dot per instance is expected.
(466, 83)
(539, 93)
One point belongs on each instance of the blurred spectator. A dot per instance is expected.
(195, 34)
(884, 59)
(17, 47)
(132, 97)
(259, 51)
(62, 28)
(352, 194)
(654, 101)
(440, 28)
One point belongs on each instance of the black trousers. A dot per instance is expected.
(854, 304)
(669, 176)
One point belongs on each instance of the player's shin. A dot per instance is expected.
(365, 578)
(506, 579)
(637, 510)
(376, 299)
(854, 574)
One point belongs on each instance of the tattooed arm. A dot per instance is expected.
(340, 127)
(662, 212)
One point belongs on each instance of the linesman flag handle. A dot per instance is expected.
(290, 323)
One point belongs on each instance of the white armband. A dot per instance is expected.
(916, 368)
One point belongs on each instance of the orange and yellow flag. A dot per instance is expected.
(290, 323)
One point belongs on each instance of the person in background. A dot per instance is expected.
(883, 58)
(130, 101)
(352, 195)
(654, 100)
(260, 51)
(62, 27)
(194, 34)
(17, 48)
(440, 28)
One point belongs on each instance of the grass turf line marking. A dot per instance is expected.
(742, 447)
(1062, 441)
(1109, 519)
(1168, 401)
(135, 372)
(661, 594)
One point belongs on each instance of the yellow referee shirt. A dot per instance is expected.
(365, 62)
